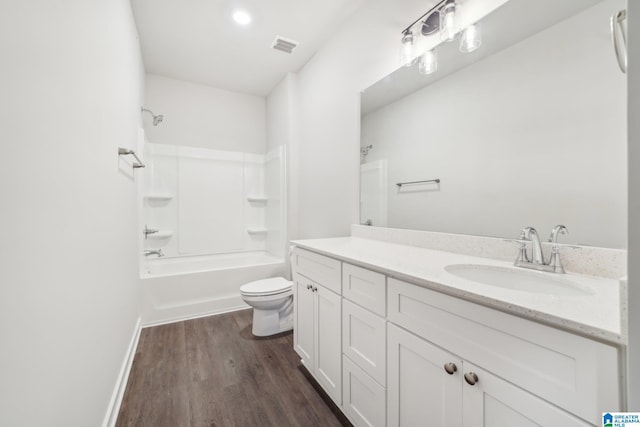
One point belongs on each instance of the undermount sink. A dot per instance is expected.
(516, 279)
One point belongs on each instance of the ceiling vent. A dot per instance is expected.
(283, 44)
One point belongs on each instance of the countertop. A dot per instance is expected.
(596, 315)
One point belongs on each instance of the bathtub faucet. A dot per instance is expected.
(158, 252)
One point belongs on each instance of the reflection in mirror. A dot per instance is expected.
(528, 130)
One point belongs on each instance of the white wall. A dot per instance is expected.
(202, 116)
(71, 84)
(534, 135)
(327, 114)
(633, 377)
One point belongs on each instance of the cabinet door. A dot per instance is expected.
(420, 392)
(328, 343)
(363, 397)
(364, 340)
(304, 322)
(493, 402)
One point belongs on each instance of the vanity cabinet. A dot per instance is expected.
(393, 353)
(542, 363)
(427, 386)
(318, 318)
(364, 342)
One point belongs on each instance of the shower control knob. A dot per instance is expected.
(471, 378)
(450, 368)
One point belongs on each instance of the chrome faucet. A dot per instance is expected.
(530, 233)
(537, 262)
(158, 252)
(554, 259)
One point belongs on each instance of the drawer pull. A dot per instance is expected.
(315, 289)
(471, 378)
(309, 286)
(451, 368)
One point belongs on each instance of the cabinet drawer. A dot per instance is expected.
(319, 268)
(573, 372)
(365, 287)
(364, 340)
(364, 400)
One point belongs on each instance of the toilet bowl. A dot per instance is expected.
(272, 302)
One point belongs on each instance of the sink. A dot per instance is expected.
(517, 279)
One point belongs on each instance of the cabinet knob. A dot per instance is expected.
(471, 378)
(315, 289)
(451, 368)
(308, 286)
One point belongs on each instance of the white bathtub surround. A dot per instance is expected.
(189, 287)
(206, 201)
(589, 260)
(596, 315)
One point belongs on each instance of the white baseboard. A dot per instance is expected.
(118, 392)
(176, 319)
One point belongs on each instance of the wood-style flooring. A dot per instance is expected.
(213, 372)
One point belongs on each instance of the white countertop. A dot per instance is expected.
(597, 314)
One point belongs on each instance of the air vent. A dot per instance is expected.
(283, 44)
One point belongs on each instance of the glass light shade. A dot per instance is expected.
(406, 50)
(428, 62)
(448, 22)
(471, 38)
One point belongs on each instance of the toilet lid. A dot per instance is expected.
(274, 285)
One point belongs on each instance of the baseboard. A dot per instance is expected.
(195, 316)
(118, 392)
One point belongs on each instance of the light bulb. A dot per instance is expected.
(406, 50)
(428, 62)
(471, 38)
(241, 17)
(448, 22)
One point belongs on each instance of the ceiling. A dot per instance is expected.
(197, 41)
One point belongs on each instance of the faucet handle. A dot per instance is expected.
(558, 229)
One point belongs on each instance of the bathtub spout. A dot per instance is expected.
(158, 252)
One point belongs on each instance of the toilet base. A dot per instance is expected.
(271, 322)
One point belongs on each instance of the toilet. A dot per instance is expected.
(272, 302)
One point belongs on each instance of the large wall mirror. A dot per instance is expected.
(528, 130)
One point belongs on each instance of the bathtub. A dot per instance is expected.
(177, 289)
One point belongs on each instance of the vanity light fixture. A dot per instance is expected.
(428, 62)
(471, 38)
(440, 20)
(448, 21)
(406, 49)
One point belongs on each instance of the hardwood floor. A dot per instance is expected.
(213, 372)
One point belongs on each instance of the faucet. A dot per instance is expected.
(158, 252)
(537, 261)
(554, 259)
(530, 233)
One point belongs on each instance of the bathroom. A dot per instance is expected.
(73, 84)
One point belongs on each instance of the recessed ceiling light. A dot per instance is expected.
(241, 17)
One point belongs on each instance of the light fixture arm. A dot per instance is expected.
(433, 9)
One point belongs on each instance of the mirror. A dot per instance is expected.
(528, 130)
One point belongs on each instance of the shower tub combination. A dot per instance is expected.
(217, 220)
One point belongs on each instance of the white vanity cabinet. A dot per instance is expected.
(427, 386)
(364, 339)
(318, 318)
(393, 353)
(520, 364)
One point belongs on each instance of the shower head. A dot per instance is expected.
(156, 119)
